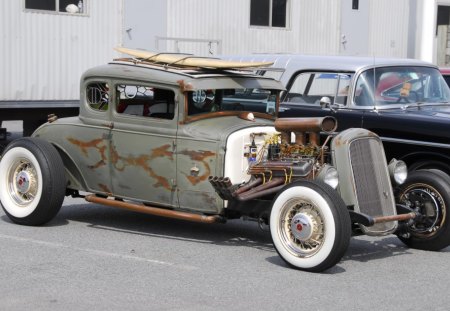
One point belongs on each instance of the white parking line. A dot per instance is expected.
(98, 252)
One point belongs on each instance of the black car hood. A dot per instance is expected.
(429, 123)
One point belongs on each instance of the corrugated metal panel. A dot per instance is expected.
(312, 27)
(43, 55)
(389, 28)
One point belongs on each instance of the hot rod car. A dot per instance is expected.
(204, 144)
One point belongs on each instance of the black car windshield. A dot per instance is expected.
(402, 85)
(216, 100)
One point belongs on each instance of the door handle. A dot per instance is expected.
(282, 109)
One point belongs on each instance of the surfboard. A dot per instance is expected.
(189, 60)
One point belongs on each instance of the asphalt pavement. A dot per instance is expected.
(91, 257)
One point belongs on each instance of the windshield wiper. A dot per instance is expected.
(423, 104)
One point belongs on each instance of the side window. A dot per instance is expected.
(310, 87)
(145, 101)
(58, 6)
(97, 96)
(363, 89)
(269, 13)
(343, 88)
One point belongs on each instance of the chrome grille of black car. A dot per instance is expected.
(371, 181)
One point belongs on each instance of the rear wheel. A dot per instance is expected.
(32, 181)
(310, 226)
(427, 192)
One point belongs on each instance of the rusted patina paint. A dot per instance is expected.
(162, 151)
(184, 87)
(120, 162)
(98, 144)
(199, 156)
(105, 189)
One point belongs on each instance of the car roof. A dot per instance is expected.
(297, 62)
(198, 78)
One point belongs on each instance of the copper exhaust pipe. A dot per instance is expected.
(400, 217)
(247, 187)
(247, 196)
(325, 124)
(155, 210)
(268, 185)
(314, 139)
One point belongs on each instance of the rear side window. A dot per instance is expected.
(310, 87)
(145, 101)
(97, 96)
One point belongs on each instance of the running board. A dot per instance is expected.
(155, 210)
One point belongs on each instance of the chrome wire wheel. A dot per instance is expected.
(426, 192)
(301, 227)
(429, 203)
(23, 182)
(32, 181)
(21, 176)
(310, 226)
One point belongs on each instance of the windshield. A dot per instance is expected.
(400, 85)
(216, 100)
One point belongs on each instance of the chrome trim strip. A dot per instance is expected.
(415, 142)
(404, 141)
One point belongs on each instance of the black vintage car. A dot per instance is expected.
(404, 101)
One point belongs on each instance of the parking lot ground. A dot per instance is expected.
(95, 257)
(91, 257)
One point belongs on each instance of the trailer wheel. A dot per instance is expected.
(310, 226)
(32, 181)
(427, 192)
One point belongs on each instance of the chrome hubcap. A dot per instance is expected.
(22, 182)
(301, 228)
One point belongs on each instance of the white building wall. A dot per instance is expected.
(388, 29)
(44, 54)
(312, 27)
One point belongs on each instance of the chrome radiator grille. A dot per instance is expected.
(371, 180)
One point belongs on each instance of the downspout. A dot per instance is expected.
(427, 14)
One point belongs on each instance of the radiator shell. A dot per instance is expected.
(364, 181)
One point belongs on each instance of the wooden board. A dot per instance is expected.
(190, 60)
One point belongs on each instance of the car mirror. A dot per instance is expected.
(325, 102)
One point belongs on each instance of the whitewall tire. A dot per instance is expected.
(32, 181)
(310, 226)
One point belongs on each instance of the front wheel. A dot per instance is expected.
(310, 226)
(427, 192)
(32, 181)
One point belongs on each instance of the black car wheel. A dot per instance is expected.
(427, 192)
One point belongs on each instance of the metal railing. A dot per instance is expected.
(214, 46)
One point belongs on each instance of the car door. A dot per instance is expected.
(142, 143)
(305, 91)
(88, 144)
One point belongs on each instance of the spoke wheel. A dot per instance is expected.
(427, 192)
(301, 227)
(32, 173)
(310, 226)
(23, 181)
